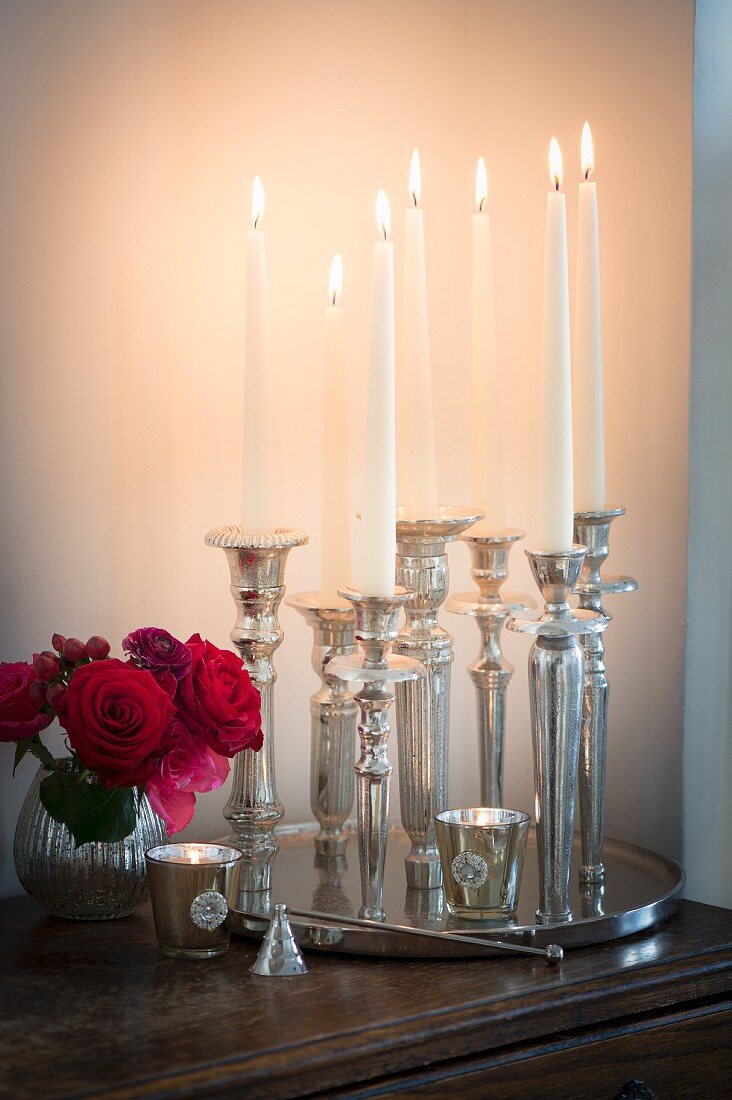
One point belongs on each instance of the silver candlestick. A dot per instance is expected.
(424, 739)
(257, 567)
(556, 671)
(332, 719)
(376, 668)
(592, 529)
(491, 672)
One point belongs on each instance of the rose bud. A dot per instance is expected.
(74, 650)
(57, 641)
(37, 692)
(46, 666)
(55, 695)
(97, 648)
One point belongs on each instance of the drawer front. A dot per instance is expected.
(678, 1059)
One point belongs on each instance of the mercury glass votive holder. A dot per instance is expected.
(482, 853)
(192, 887)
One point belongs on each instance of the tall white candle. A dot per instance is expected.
(417, 437)
(257, 507)
(336, 558)
(555, 433)
(378, 515)
(485, 403)
(589, 414)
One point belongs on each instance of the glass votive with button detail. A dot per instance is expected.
(192, 887)
(482, 853)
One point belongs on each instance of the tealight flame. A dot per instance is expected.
(555, 164)
(195, 856)
(335, 279)
(257, 202)
(415, 179)
(383, 215)
(588, 152)
(481, 184)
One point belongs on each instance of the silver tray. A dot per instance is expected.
(641, 889)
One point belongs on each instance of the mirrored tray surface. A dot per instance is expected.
(641, 889)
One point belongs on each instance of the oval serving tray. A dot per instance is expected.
(641, 889)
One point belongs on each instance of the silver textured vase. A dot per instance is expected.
(96, 881)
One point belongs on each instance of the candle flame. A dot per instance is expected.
(481, 184)
(588, 152)
(555, 164)
(195, 856)
(383, 215)
(335, 279)
(415, 178)
(257, 202)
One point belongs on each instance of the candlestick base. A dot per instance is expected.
(592, 529)
(333, 715)
(257, 568)
(491, 672)
(556, 672)
(424, 738)
(376, 668)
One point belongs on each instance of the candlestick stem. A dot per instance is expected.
(333, 720)
(257, 568)
(556, 671)
(424, 737)
(377, 669)
(491, 672)
(592, 529)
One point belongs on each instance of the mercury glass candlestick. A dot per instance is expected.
(332, 719)
(592, 529)
(377, 669)
(257, 568)
(491, 672)
(556, 675)
(424, 738)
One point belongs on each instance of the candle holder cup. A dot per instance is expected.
(333, 715)
(556, 673)
(423, 737)
(491, 672)
(376, 668)
(257, 568)
(592, 529)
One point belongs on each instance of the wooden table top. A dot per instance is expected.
(94, 1009)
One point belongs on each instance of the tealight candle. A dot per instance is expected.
(192, 887)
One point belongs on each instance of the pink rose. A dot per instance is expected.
(20, 713)
(218, 700)
(187, 766)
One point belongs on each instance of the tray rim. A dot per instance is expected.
(378, 943)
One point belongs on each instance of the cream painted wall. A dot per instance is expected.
(131, 134)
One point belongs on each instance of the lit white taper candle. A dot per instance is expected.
(418, 480)
(556, 519)
(377, 529)
(589, 413)
(257, 501)
(485, 402)
(336, 557)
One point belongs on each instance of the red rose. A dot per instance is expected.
(20, 713)
(117, 718)
(218, 700)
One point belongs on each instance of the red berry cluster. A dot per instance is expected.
(54, 669)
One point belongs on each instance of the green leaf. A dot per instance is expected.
(41, 753)
(90, 811)
(21, 748)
